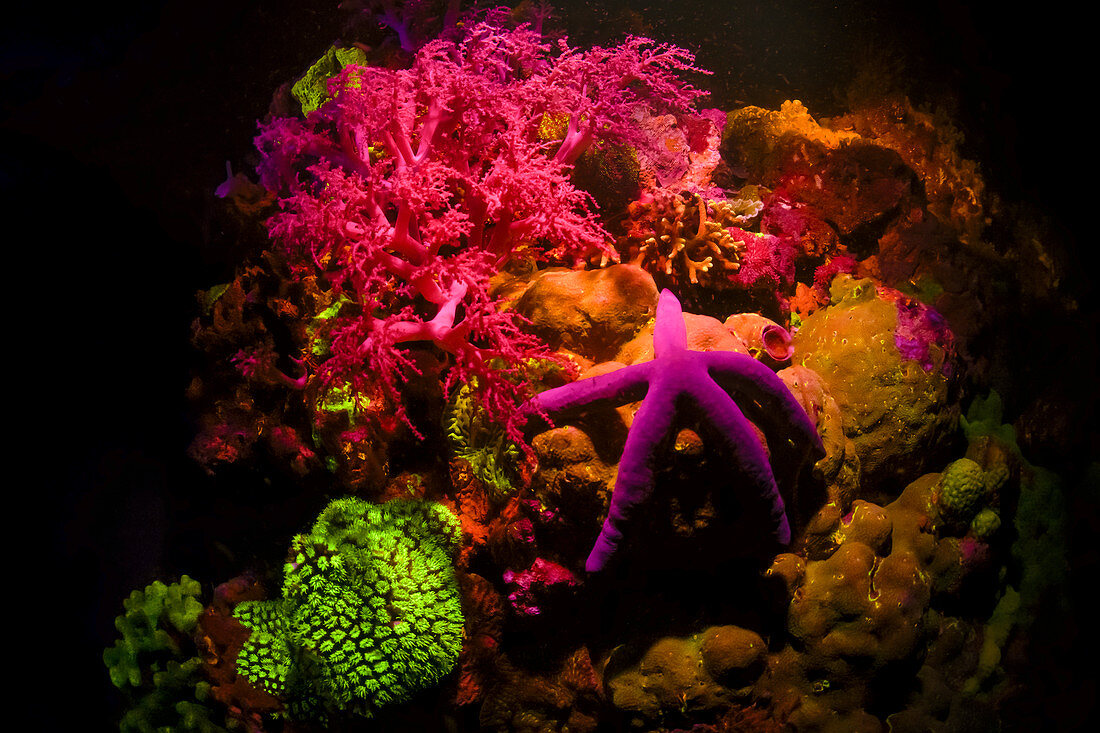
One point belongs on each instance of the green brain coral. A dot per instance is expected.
(370, 611)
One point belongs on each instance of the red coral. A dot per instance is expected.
(411, 186)
(539, 585)
(481, 660)
(767, 266)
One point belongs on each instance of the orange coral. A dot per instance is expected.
(682, 238)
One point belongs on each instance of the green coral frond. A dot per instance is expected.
(156, 665)
(481, 443)
(149, 616)
(984, 417)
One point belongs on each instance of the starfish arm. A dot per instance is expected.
(619, 387)
(733, 429)
(635, 478)
(743, 375)
(669, 329)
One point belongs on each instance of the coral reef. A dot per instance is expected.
(412, 214)
(738, 480)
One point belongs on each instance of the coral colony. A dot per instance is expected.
(529, 321)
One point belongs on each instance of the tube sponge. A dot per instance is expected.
(370, 611)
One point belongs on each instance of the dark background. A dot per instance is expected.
(117, 121)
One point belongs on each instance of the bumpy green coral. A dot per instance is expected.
(151, 615)
(370, 611)
(156, 663)
(962, 487)
(311, 90)
(985, 524)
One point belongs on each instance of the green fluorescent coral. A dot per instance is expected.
(480, 442)
(147, 625)
(156, 664)
(963, 486)
(311, 90)
(370, 611)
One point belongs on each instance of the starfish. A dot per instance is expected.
(676, 379)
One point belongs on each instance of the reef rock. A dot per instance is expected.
(889, 361)
(587, 312)
(679, 679)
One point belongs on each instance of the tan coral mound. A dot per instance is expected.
(899, 412)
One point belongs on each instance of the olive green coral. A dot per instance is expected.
(147, 627)
(156, 663)
(370, 611)
(962, 487)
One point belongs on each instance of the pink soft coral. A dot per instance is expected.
(412, 186)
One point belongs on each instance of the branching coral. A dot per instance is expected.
(409, 188)
(370, 611)
(683, 237)
(411, 185)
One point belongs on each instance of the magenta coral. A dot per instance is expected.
(530, 589)
(767, 264)
(412, 186)
(920, 326)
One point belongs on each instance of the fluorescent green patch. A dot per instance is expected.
(311, 90)
(338, 640)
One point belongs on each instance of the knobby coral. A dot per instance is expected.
(157, 665)
(684, 237)
(370, 610)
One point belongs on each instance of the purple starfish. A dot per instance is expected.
(678, 378)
